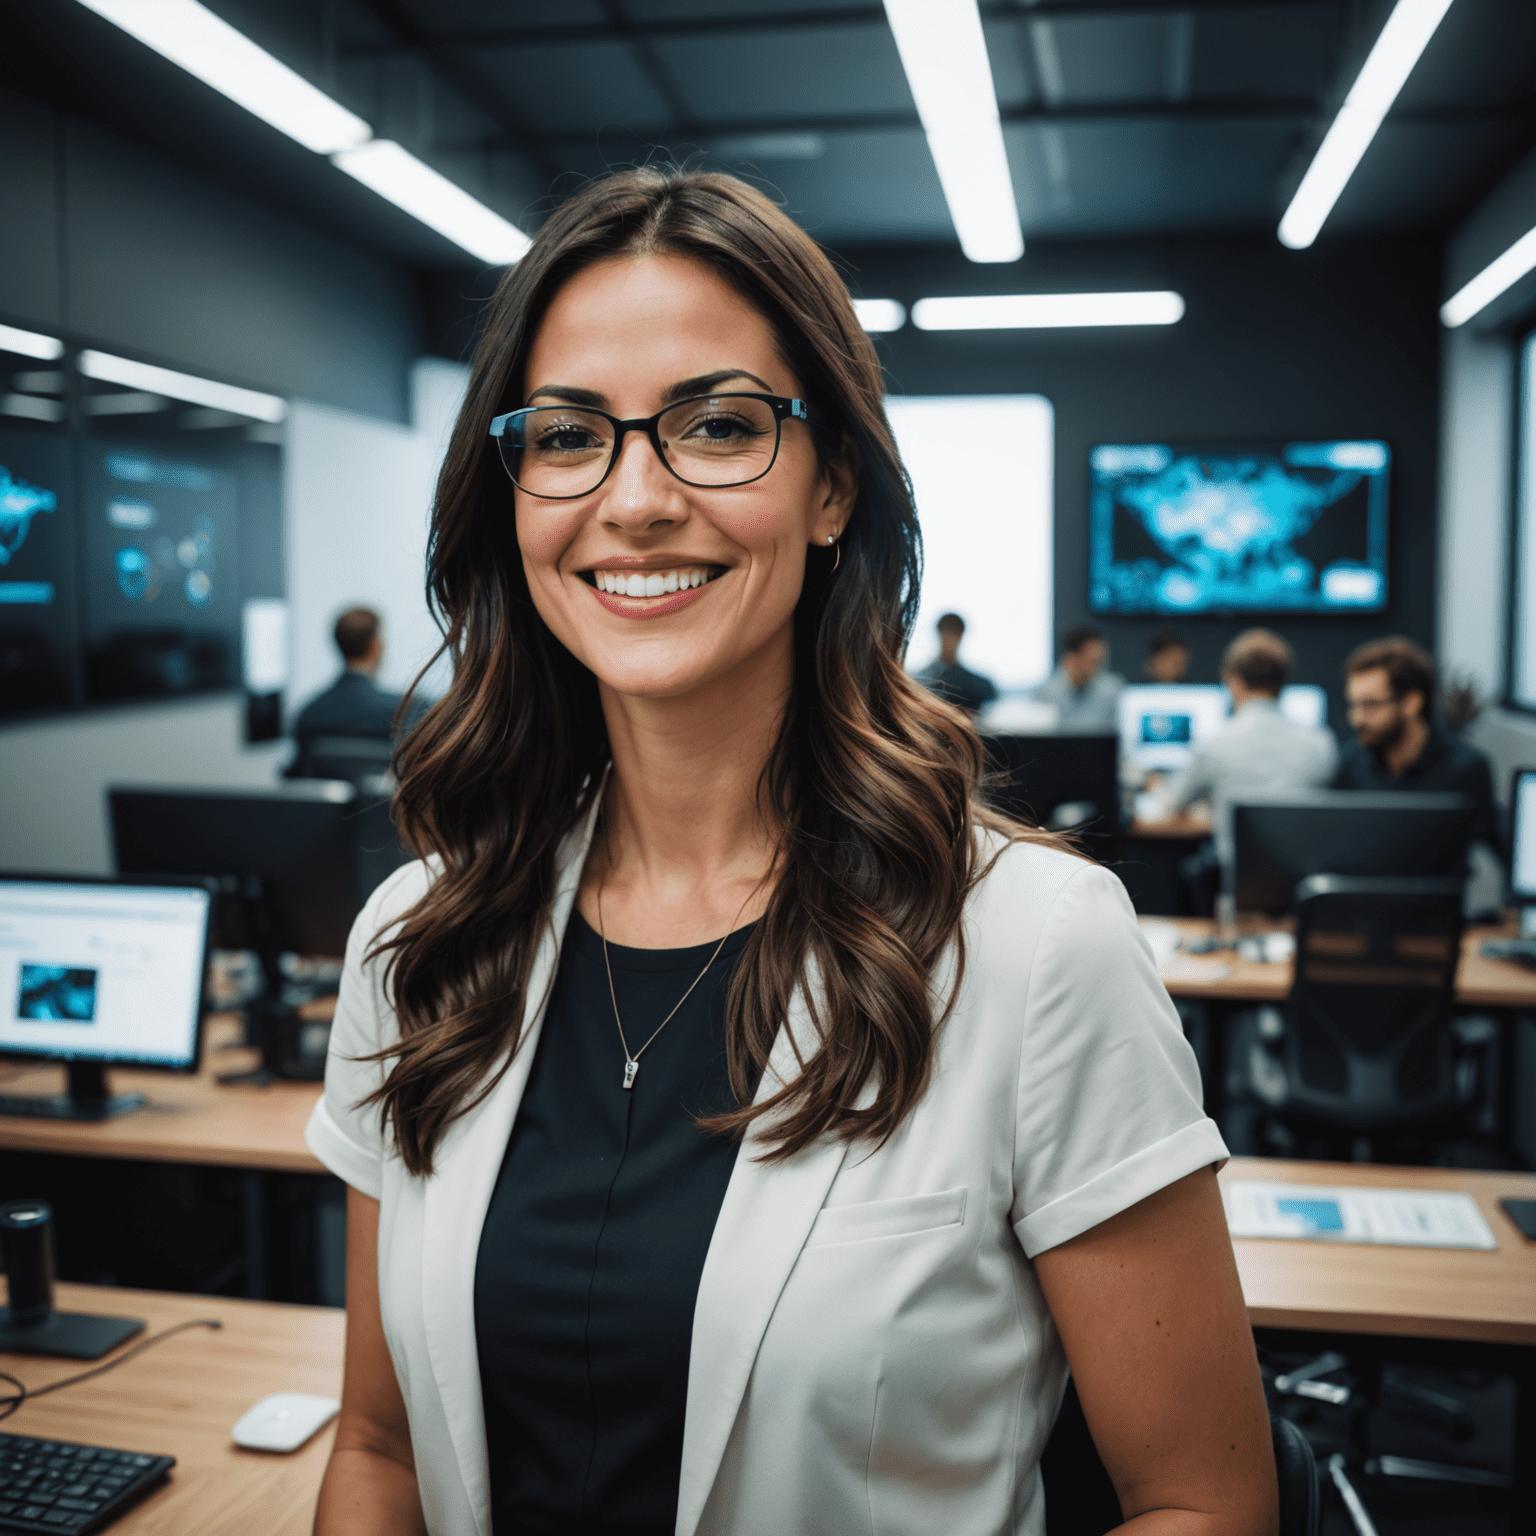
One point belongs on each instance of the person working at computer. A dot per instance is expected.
(1257, 749)
(945, 676)
(1084, 694)
(354, 705)
(745, 1125)
(1167, 657)
(1389, 690)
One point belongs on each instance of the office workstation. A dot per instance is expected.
(560, 568)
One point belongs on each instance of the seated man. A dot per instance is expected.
(1389, 688)
(1257, 750)
(946, 677)
(354, 705)
(1085, 695)
(1167, 657)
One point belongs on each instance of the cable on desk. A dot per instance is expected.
(12, 1401)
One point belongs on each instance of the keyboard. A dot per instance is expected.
(54, 1485)
(1521, 951)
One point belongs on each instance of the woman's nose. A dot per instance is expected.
(641, 491)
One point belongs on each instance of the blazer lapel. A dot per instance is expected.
(764, 1221)
(456, 1198)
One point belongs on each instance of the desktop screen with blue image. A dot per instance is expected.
(1260, 528)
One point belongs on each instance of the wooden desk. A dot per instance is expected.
(1436, 1293)
(1456, 1307)
(1184, 826)
(188, 1118)
(181, 1398)
(1480, 982)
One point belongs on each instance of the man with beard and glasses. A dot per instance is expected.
(1389, 690)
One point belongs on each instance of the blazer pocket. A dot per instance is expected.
(903, 1217)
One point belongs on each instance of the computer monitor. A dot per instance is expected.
(1305, 704)
(1280, 839)
(1076, 774)
(97, 972)
(303, 858)
(1161, 724)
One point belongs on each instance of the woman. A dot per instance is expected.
(744, 1128)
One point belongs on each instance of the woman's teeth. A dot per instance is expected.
(651, 583)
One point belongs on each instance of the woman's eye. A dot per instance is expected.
(564, 440)
(720, 429)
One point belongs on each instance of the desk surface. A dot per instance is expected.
(181, 1398)
(189, 1118)
(1172, 826)
(1480, 982)
(1427, 1293)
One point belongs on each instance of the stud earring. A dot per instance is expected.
(831, 538)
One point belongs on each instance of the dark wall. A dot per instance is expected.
(110, 245)
(1339, 341)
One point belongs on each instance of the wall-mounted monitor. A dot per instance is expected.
(1238, 529)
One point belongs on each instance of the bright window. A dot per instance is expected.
(981, 468)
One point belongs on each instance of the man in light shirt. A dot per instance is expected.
(1257, 750)
(1085, 695)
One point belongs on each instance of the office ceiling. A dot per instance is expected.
(1122, 118)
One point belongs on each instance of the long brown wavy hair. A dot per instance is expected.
(873, 781)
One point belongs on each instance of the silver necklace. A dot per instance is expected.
(632, 1058)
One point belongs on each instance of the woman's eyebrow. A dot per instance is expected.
(706, 383)
(684, 389)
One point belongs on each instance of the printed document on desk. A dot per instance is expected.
(1409, 1218)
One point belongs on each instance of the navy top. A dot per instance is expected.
(594, 1243)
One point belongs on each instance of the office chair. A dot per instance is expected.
(355, 759)
(1080, 1499)
(1367, 1046)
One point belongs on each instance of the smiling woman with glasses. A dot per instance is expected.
(746, 1125)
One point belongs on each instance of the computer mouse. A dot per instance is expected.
(284, 1421)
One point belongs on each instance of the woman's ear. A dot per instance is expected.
(840, 485)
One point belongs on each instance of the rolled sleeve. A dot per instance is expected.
(1109, 1099)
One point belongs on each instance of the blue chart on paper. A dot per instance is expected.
(1316, 1215)
(1280, 527)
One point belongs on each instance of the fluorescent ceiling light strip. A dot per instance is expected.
(181, 386)
(1390, 62)
(30, 344)
(204, 45)
(1498, 276)
(944, 53)
(879, 314)
(396, 174)
(1046, 311)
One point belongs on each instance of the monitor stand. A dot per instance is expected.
(70, 1335)
(86, 1099)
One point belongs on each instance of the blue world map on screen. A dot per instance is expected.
(19, 504)
(1185, 530)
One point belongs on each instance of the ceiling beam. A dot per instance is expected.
(621, 28)
(1066, 116)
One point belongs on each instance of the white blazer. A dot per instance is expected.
(871, 1350)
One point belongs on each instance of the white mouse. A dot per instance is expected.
(284, 1421)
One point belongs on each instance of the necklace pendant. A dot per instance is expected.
(630, 1069)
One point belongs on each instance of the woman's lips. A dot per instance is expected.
(680, 587)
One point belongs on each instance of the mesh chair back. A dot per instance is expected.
(1368, 1042)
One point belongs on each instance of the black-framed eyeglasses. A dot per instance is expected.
(561, 452)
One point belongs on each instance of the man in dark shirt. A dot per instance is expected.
(946, 677)
(354, 707)
(1389, 686)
